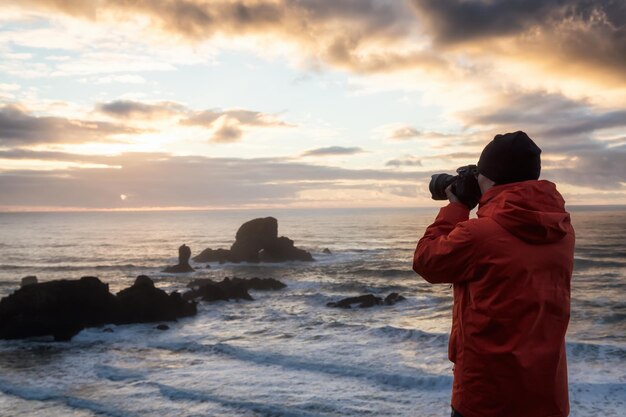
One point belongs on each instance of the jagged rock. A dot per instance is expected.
(184, 253)
(29, 280)
(326, 251)
(368, 300)
(216, 291)
(144, 303)
(210, 255)
(253, 236)
(281, 250)
(257, 241)
(363, 301)
(63, 308)
(259, 284)
(58, 308)
(393, 298)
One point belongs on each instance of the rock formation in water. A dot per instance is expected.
(229, 288)
(257, 241)
(144, 303)
(184, 253)
(256, 283)
(63, 308)
(368, 300)
(219, 291)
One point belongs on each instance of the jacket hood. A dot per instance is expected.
(533, 211)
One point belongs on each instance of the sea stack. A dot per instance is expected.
(184, 253)
(257, 241)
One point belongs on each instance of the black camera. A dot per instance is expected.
(464, 185)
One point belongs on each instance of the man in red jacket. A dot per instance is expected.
(511, 269)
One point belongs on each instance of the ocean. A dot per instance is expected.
(285, 353)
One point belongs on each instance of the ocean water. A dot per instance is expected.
(286, 353)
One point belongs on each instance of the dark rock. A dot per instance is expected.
(184, 253)
(210, 255)
(162, 327)
(29, 280)
(368, 300)
(107, 330)
(363, 301)
(144, 303)
(216, 291)
(59, 308)
(259, 284)
(63, 308)
(326, 251)
(281, 250)
(257, 241)
(393, 298)
(253, 236)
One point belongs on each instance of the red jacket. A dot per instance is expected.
(511, 269)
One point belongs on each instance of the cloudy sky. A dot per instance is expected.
(125, 104)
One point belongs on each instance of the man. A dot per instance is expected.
(511, 270)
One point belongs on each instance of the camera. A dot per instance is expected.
(464, 185)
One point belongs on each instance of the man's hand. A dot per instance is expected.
(451, 197)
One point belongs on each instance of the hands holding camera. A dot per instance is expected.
(461, 188)
(451, 197)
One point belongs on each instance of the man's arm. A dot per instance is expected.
(445, 254)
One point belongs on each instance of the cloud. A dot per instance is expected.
(173, 181)
(564, 125)
(352, 34)
(409, 161)
(333, 151)
(454, 21)
(19, 128)
(568, 33)
(244, 117)
(226, 125)
(404, 133)
(229, 125)
(600, 169)
(125, 109)
(582, 145)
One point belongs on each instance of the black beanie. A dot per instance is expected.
(511, 157)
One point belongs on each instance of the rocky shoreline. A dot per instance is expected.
(62, 308)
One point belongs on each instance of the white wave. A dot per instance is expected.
(32, 393)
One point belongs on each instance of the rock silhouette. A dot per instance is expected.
(63, 308)
(259, 284)
(252, 237)
(184, 253)
(210, 255)
(366, 301)
(257, 241)
(219, 291)
(144, 303)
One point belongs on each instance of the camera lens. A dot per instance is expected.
(438, 185)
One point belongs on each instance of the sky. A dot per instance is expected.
(190, 104)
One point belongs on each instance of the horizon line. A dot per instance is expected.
(244, 208)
